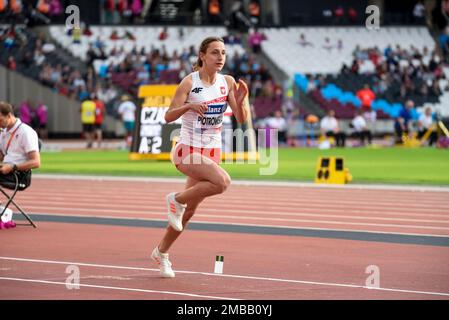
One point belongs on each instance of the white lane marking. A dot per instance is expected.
(307, 212)
(119, 288)
(227, 276)
(228, 204)
(238, 224)
(248, 182)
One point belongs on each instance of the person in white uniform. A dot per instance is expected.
(330, 128)
(427, 122)
(19, 149)
(127, 110)
(361, 130)
(200, 101)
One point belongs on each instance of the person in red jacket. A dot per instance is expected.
(12, 65)
(366, 96)
(99, 118)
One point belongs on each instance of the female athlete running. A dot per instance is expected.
(200, 100)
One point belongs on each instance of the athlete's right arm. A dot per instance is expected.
(178, 104)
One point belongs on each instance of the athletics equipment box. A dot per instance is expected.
(331, 170)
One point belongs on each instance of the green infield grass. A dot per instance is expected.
(367, 165)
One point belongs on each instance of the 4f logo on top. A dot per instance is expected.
(197, 90)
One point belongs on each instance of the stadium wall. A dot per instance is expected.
(63, 113)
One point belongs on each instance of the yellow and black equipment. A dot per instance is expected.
(332, 170)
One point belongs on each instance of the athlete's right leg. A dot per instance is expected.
(212, 179)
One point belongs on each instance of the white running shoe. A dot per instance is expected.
(164, 264)
(175, 212)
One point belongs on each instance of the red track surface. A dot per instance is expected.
(114, 264)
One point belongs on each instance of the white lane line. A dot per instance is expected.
(57, 214)
(50, 204)
(105, 201)
(228, 276)
(101, 188)
(119, 288)
(267, 183)
(318, 198)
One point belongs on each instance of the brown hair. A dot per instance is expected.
(203, 48)
(6, 108)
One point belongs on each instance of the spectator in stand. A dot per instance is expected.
(26, 113)
(109, 11)
(443, 40)
(371, 118)
(255, 40)
(42, 115)
(254, 12)
(339, 44)
(339, 14)
(303, 42)
(352, 15)
(43, 7)
(419, 13)
(3, 6)
(86, 31)
(15, 7)
(143, 76)
(403, 122)
(136, 8)
(163, 34)
(114, 35)
(12, 65)
(27, 59)
(45, 75)
(360, 127)
(91, 55)
(327, 44)
(9, 37)
(175, 62)
(127, 110)
(78, 88)
(268, 89)
(329, 127)
(278, 122)
(76, 35)
(129, 36)
(366, 97)
(123, 11)
(427, 122)
(55, 8)
(106, 93)
(214, 12)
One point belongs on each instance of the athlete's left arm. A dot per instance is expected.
(236, 98)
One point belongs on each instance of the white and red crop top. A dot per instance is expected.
(205, 131)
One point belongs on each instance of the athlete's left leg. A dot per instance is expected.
(171, 234)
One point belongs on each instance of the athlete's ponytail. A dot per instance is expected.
(203, 48)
